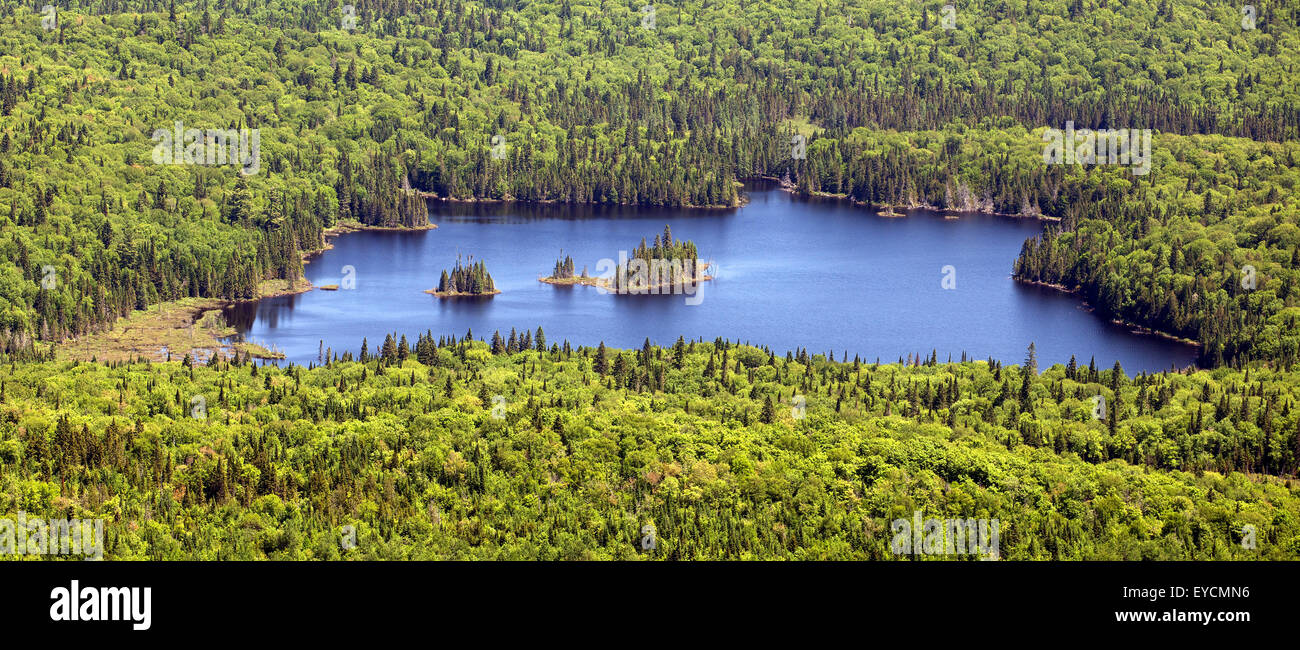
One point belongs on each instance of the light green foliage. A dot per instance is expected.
(574, 463)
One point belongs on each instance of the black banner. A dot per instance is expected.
(744, 600)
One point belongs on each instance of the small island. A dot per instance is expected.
(667, 267)
(471, 280)
(563, 274)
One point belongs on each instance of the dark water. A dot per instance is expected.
(791, 272)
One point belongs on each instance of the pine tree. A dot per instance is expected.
(769, 411)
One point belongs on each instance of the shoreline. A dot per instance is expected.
(345, 227)
(889, 211)
(640, 291)
(180, 326)
(740, 202)
(1134, 328)
(589, 281)
(461, 294)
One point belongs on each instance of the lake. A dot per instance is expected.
(791, 272)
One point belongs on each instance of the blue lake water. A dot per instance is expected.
(790, 272)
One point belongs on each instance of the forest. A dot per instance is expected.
(363, 118)
(513, 447)
(453, 448)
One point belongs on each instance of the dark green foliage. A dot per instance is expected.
(563, 269)
(457, 453)
(470, 280)
(589, 106)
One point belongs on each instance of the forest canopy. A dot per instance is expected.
(454, 447)
(361, 116)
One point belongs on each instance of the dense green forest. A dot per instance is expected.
(1208, 249)
(516, 448)
(361, 115)
(443, 449)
